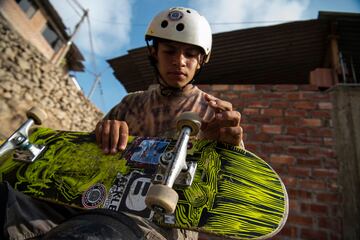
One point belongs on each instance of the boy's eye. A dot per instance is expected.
(191, 53)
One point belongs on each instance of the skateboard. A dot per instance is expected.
(200, 185)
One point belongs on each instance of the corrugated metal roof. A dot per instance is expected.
(283, 53)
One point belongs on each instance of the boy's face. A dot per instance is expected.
(177, 62)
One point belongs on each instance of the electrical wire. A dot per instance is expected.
(72, 6)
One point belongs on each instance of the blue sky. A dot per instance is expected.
(117, 26)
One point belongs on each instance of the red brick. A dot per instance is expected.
(282, 159)
(220, 87)
(324, 114)
(305, 105)
(320, 132)
(317, 96)
(296, 131)
(309, 87)
(272, 148)
(331, 163)
(313, 234)
(295, 113)
(330, 223)
(288, 121)
(287, 232)
(252, 147)
(266, 87)
(259, 104)
(280, 104)
(247, 128)
(324, 152)
(259, 119)
(271, 129)
(284, 139)
(311, 122)
(286, 88)
(274, 95)
(249, 96)
(300, 220)
(259, 137)
(250, 111)
(271, 112)
(300, 194)
(229, 96)
(299, 171)
(314, 162)
(323, 172)
(289, 181)
(325, 105)
(313, 184)
(294, 96)
(329, 141)
(313, 208)
(294, 205)
(303, 150)
(310, 140)
(328, 197)
(244, 88)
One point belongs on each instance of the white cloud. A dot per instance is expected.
(230, 11)
(110, 23)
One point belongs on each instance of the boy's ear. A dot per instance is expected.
(153, 56)
(153, 52)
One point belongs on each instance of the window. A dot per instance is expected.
(28, 6)
(51, 37)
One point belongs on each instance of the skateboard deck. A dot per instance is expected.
(234, 194)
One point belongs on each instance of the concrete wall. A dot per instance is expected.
(347, 131)
(27, 79)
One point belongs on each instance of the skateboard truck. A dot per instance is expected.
(173, 168)
(19, 140)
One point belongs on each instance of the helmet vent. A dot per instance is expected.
(188, 11)
(180, 27)
(164, 24)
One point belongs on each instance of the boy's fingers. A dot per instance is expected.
(114, 132)
(98, 129)
(105, 136)
(123, 137)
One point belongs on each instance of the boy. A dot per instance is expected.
(181, 45)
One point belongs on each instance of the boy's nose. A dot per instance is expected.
(179, 59)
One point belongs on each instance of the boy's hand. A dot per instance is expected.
(225, 125)
(112, 135)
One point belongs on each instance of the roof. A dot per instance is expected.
(74, 57)
(278, 54)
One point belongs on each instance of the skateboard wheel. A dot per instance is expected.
(163, 197)
(189, 119)
(37, 114)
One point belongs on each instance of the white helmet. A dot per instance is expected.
(182, 25)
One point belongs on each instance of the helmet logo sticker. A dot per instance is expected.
(175, 15)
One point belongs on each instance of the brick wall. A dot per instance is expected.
(290, 126)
